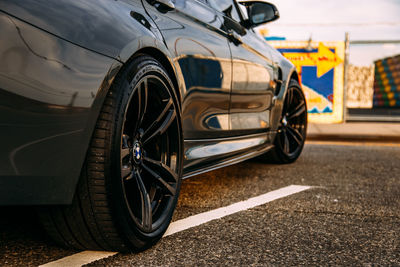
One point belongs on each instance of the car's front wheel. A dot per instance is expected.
(131, 179)
(291, 134)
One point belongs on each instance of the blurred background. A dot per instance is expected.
(364, 79)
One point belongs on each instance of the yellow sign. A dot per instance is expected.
(324, 59)
(320, 66)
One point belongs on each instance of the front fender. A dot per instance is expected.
(288, 72)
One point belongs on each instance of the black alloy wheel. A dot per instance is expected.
(291, 134)
(150, 154)
(131, 178)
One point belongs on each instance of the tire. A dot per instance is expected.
(291, 134)
(131, 178)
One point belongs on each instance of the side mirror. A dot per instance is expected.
(259, 12)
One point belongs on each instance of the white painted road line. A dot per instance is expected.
(86, 257)
(352, 143)
(208, 216)
(80, 259)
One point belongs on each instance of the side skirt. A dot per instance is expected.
(206, 155)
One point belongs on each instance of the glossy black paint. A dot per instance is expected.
(253, 71)
(47, 90)
(199, 48)
(104, 26)
(59, 58)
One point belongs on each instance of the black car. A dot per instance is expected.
(105, 105)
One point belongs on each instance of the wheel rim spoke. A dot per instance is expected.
(289, 98)
(125, 150)
(147, 212)
(125, 157)
(167, 187)
(142, 97)
(169, 118)
(295, 134)
(126, 173)
(163, 168)
(286, 144)
(159, 118)
(299, 110)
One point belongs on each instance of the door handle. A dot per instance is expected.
(166, 4)
(234, 37)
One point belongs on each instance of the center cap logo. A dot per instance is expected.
(137, 151)
(284, 121)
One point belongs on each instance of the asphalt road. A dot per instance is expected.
(350, 217)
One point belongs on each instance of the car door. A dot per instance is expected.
(253, 73)
(192, 32)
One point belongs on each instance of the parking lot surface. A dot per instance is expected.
(350, 215)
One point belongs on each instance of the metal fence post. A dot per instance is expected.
(345, 74)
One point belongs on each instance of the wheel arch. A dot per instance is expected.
(166, 62)
(291, 75)
(153, 46)
(294, 76)
(287, 72)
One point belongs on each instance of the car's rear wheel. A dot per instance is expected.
(131, 179)
(291, 134)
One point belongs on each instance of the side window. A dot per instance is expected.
(227, 7)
